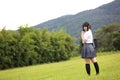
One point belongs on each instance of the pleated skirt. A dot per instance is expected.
(88, 51)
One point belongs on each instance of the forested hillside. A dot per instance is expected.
(103, 15)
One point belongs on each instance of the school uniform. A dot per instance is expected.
(87, 48)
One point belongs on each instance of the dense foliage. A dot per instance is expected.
(109, 37)
(29, 46)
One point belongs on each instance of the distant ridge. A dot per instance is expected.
(103, 15)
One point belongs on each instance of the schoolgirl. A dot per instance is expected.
(88, 52)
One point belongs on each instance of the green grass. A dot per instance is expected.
(73, 69)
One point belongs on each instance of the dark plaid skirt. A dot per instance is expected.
(88, 51)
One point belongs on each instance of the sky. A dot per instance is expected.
(14, 13)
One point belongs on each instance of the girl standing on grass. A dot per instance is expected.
(88, 52)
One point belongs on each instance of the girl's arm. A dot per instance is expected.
(82, 36)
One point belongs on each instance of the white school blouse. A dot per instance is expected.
(88, 36)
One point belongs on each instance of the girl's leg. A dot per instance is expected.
(95, 65)
(87, 65)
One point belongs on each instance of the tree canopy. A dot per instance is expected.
(29, 46)
(109, 37)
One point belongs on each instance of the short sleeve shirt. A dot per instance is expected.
(88, 36)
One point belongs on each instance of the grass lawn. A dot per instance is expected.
(73, 69)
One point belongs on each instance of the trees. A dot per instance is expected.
(116, 40)
(108, 37)
(29, 46)
(7, 48)
(62, 45)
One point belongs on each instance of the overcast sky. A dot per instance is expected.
(14, 13)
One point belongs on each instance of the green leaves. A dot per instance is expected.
(116, 40)
(108, 37)
(29, 46)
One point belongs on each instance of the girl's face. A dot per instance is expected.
(85, 28)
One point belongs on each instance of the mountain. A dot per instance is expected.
(103, 15)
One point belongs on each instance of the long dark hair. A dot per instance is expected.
(86, 24)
